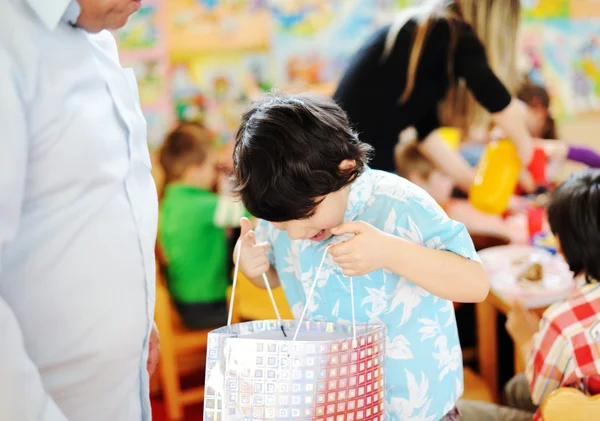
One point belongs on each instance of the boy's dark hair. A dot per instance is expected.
(188, 144)
(287, 155)
(574, 216)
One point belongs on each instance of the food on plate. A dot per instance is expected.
(533, 273)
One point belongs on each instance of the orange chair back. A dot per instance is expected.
(253, 303)
(570, 404)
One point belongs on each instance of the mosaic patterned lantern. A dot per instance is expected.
(256, 371)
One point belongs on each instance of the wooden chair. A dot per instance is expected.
(570, 404)
(476, 389)
(175, 342)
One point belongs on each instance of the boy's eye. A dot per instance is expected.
(310, 215)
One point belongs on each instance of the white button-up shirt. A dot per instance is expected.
(78, 215)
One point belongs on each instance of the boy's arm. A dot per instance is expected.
(434, 252)
(419, 243)
(440, 272)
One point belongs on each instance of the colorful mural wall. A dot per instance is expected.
(205, 59)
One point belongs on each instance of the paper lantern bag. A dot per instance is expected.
(254, 372)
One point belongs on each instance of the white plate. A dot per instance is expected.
(504, 264)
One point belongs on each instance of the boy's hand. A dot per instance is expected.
(521, 324)
(253, 261)
(362, 253)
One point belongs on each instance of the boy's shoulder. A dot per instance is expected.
(399, 191)
(582, 308)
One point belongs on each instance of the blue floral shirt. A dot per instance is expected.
(423, 354)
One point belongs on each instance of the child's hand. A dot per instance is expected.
(253, 261)
(362, 253)
(521, 324)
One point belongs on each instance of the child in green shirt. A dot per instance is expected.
(193, 226)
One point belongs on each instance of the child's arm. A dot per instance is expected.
(439, 272)
(478, 222)
(583, 155)
(418, 242)
(449, 161)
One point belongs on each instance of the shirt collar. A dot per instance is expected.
(361, 191)
(51, 12)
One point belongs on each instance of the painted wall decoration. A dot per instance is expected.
(544, 9)
(207, 59)
(200, 26)
(564, 55)
(143, 48)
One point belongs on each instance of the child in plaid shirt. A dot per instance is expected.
(565, 349)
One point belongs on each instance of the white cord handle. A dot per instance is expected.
(233, 287)
(311, 293)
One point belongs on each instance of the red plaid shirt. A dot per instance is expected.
(566, 350)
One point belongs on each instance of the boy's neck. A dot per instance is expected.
(194, 182)
(191, 184)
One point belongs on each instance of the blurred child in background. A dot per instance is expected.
(535, 103)
(415, 167)
(562, 348)
(193, 226)
(541, 125)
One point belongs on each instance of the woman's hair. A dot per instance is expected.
(574, 217)
(537, 96)
(188, 144)
(494, 21)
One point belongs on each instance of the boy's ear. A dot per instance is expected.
(347, 164)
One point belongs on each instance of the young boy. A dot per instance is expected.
(413, 166)
(302, 170)
(564, 349)
(193, 226)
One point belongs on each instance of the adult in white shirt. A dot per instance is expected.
(78, 215)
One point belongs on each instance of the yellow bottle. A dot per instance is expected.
(451, 136)
(496, 177)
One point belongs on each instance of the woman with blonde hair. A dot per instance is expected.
(445, 63)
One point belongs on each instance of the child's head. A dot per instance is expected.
(295, 157)
(574, 216)
(188, 156)
(412, 165)
(537, 111)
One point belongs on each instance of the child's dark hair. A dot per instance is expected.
(574, 216)
(188, 144)
(536, 95)
(287, 155)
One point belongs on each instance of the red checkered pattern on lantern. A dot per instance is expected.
(566, 350)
